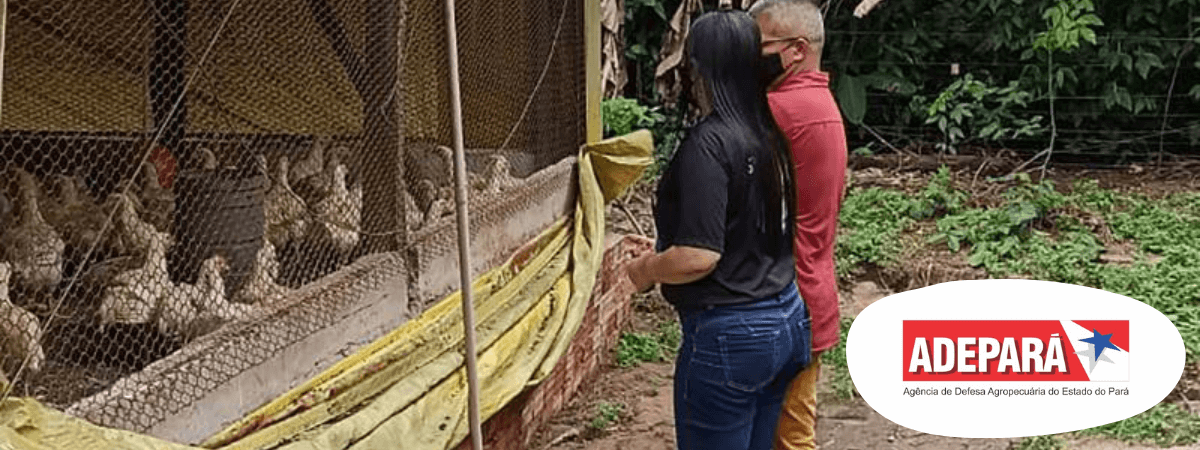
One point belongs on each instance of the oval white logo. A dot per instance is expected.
(1011, 358)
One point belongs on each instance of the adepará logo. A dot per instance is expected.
(1016, 350)
(1005, 358)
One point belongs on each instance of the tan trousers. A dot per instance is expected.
(798, 421)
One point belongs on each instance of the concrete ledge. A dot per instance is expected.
(499, 224)
(219, 378)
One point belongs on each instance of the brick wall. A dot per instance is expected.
(609, 310)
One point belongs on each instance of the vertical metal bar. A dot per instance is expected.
(594, 83)
(464, 237)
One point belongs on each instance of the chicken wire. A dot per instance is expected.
(172, 167)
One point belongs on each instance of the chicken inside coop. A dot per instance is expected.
(20, 332)
(262, 287)
(285, 214)
(338, 216)
(429, 169)
(196, 309)
(32, 247)
(82, 222)
(132, 296)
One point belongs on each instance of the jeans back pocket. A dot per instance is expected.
(750, 357)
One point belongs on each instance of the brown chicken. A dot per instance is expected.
(32, 247)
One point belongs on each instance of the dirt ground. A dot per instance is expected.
(646, 420)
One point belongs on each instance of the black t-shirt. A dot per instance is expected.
(714, 195)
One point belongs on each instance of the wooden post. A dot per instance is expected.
(168, 54)
(383, 128)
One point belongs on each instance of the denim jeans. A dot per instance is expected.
(733, 370)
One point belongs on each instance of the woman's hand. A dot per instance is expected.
(637, 273)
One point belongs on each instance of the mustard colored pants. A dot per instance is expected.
(798, 420)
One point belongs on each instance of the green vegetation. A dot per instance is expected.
(606, 414)
(1041, 443)
(636, 348)
(835, 360)
(869, 227)
(623, 115)
(1165, 424)
(1039, 232)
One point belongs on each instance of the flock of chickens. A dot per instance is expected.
(128, 235)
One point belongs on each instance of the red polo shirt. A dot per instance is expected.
(809, 117)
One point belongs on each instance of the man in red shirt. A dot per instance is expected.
(793, 34)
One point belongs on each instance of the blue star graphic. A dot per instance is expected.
(1101, 342)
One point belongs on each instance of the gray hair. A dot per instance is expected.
(802, 17)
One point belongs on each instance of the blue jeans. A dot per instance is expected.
(733, 370)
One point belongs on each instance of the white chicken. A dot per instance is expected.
(33, 248)
(209, 294)
(20, 331)
(133, 296)
(261, 288)
(339, 215)
(285, 214)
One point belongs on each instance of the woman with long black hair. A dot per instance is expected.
(724, 255)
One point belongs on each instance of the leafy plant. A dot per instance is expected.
(622, 115)
(869, 228)
(607, 414)
(939, 197)
(1069, 22)
(636, 348)
(971, 109)
(996, 235)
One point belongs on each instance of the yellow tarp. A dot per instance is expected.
(409, 387)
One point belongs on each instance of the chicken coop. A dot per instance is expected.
(206, 202)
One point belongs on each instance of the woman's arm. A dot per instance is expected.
(678, 265)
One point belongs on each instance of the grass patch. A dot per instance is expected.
(869, 228)
(1043, 234)
(636, 348)
(1166, 424)
(606, 415)
(835, 360)
(1041, 443)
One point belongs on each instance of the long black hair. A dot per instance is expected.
(724, 49)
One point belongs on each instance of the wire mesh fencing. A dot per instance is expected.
(172, 167)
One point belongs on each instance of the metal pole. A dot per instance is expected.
(464, 238)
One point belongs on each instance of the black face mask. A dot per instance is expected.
(770, 67)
